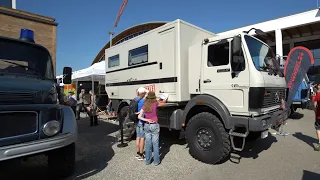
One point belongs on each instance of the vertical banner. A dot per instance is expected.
(297, 65)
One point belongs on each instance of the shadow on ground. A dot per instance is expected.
(252, 148)
(167, 139)
(93, 151)
(307, 175)
(296, 116)
(307, 139)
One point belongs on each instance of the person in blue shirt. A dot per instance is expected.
(142, 92)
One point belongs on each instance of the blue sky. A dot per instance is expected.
(84, 24)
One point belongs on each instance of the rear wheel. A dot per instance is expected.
(207, 139)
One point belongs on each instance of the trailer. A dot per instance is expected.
(219, 87)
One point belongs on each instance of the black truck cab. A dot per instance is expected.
(31, 119)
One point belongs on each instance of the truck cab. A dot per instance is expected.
(32, 120)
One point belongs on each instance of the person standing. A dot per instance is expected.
(73, 101)
(80, 103)
(140, 125)
(151, 127)
(316, 103)
(92, 108)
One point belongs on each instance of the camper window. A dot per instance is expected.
(218, 54)
(113, 61)
(138, 55)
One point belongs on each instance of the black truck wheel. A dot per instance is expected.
(207, 138)
(61, 162)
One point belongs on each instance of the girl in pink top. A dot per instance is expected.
(151, 127)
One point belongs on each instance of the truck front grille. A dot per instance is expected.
(273, 97)
(7, 98)
(13, 124)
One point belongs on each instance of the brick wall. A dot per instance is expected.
(45, 28)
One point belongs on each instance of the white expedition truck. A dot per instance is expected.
(219, 87)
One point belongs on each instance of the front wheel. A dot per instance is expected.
(61, 162)
(207, 138)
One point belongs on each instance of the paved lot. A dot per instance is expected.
(98, 157)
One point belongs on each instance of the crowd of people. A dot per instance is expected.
(86, 103)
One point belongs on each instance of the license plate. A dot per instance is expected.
(264, 134)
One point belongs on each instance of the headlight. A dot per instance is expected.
(51, 128)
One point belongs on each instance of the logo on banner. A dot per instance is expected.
(151, 87)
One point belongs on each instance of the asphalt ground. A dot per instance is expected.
(98, 157)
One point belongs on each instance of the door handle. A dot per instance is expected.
(223, 70)
(207, 81)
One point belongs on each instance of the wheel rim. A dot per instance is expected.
(205, 138)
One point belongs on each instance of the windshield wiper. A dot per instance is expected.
(24, 66)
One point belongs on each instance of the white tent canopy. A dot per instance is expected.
(96, 72)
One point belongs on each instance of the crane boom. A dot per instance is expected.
(120, 12)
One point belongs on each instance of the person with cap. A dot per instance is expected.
(73, 101)
(142, 92)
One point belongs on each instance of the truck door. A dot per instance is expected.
(166, 58)
(221, 79)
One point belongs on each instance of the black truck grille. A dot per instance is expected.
(7, 98)
(273, 97)
(14, 124)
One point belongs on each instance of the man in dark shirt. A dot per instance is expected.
(316, 102)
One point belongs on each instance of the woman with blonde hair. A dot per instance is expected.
(151, 127)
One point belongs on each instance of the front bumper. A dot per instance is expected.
(263, 122)
(69, 135)
(37, 147)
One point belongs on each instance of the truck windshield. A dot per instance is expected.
(262, 56)
(24, 59)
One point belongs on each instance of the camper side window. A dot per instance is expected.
(218, 54)
(138, 55)
(113, 61)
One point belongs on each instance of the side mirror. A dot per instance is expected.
(237, 64)
(67, 72)
(236, 45)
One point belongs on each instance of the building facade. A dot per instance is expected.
(45, 28)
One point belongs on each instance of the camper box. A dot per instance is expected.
(157, 60)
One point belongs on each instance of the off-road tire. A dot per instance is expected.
(61, 162)
(220, 147)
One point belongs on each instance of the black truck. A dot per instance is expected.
(32, 121)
